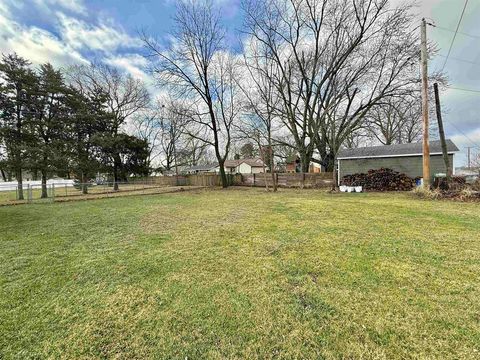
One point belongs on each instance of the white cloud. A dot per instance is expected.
(103, 37)
(35, 44)
(75, 6)
(134, 64)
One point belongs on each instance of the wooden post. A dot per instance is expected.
(468, 157)
(254, 179)
(426, 143)
(442, 132)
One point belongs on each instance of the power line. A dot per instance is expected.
(462, 89)
(462, 60)
(465, 135)
(452, 31)
(455, 35)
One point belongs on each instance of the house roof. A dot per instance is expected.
(412, 149)
(255, 162)
(205, 167)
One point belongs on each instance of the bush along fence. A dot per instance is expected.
(290, 180)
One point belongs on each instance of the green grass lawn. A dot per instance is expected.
(241, 274)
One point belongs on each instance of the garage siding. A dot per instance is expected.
(409, 165)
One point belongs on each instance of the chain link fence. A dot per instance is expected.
(66, 190)
(36, 193)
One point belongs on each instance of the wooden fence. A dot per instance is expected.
(191, 180)
(212, 179)
(300, 180)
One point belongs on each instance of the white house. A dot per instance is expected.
(245, 166)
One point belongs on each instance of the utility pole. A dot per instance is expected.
(426, 144)
(448, 168)
(468, 157)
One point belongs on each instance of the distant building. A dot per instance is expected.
(294, 166)
(245, 166)
(201, 169)
(465, 171)
(315, 168)
(404, 158)
(471, 175)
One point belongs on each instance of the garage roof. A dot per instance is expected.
(206, 167)
(413, 149)
(255, 162)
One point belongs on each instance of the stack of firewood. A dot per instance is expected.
(380, 180)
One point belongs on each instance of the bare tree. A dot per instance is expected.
(356, 139)
(193, 151)
(475, 163)
(260, 105)
(385, 122)
(173, 126)
(396, 120)
(197, 67)
(124, 97)
(334, 61)
(148, 127)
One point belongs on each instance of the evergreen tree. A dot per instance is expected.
(48, 151)
(87, 118)
(16, 82)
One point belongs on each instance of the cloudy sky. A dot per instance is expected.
(74, 31)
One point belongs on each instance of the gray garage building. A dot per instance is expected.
(404, 158)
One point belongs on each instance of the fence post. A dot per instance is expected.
(253, 179)
(53, 192)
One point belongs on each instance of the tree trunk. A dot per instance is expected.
(20, 184)
(44, 185)
(116, 165)
(272, 170)
(304, 162)
(330, 162)
(335, 180)
(4, 177)
(274, 181)
(334, 174)
(262, 154)
(223, 175)
(265, 177)
(84, 185)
